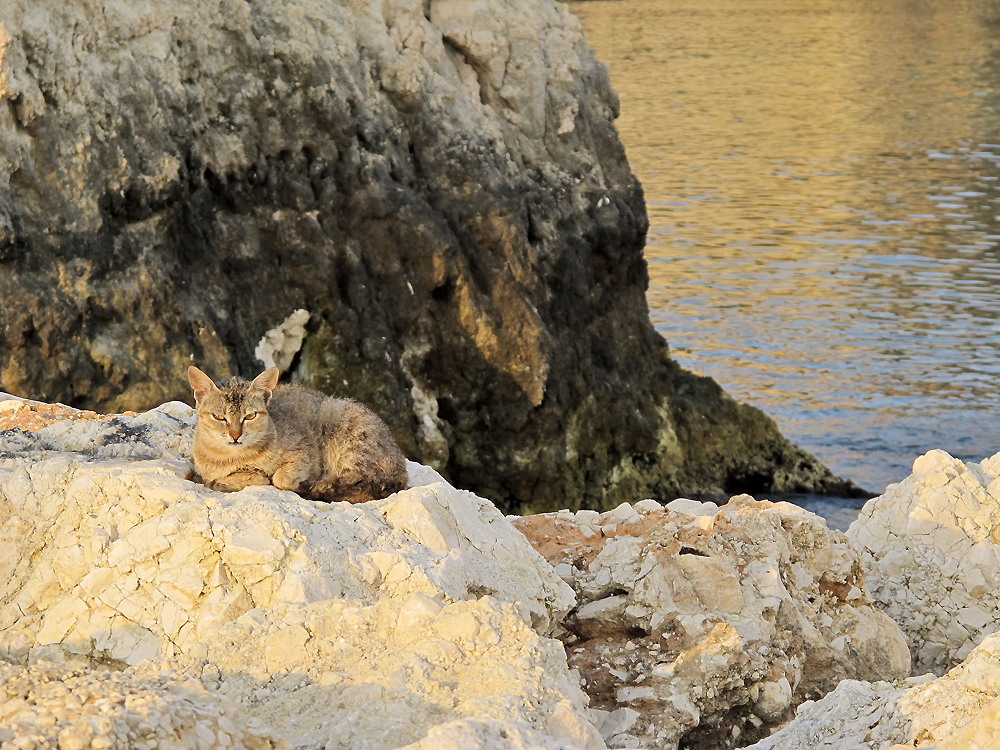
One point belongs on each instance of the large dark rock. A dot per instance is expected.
(439, 184)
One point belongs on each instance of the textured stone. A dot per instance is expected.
(433, 181)
(959, 711)
(73, 709)
(419, 618)
(479, 734)
(931, 552)
(702, 624)
(278, 347)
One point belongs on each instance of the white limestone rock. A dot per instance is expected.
(341, 675)
(38, 430)
(479, 734)
(51, 706)
(692, 507)
(334, 625)
(278, 347)
(698, 618)
(931, 552)
(960, 711)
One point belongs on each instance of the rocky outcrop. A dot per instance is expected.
(708, 625)
(960, 711)
(931, 552)
(437, 183)
(420, 618)
(929, 548)
(48, 706)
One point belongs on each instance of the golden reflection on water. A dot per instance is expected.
(821, 179)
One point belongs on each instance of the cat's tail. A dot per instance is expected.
(336, 490)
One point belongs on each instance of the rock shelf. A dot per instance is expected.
(139, 607)
(331, 625)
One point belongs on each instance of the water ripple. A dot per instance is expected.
(822, 182)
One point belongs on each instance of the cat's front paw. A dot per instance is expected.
(290, 478)
(238, 481)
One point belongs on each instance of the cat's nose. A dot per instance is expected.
(235, 433)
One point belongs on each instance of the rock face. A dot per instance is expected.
(416, 619)
(432, 181)
(707, 625)
(49, 706)
(931, 552)
(960, 711)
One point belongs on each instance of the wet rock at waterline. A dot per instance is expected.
(438, 185)
(709, 625)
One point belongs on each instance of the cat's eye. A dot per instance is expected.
(220, 417)
(251, 415)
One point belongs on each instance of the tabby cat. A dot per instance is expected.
(296, 438)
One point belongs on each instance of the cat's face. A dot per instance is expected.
(233, 416)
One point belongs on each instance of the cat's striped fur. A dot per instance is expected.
(296, 438)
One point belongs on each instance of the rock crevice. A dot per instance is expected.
(706, 626)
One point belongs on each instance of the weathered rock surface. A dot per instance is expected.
(960, 711)
(708, 624)
(419, 618)
(432, 181)
(46, 706)
(931, 551)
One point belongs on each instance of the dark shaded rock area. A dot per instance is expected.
(441, 186)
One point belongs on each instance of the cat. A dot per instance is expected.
(296, 438)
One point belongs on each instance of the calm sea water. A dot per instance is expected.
(824, 204)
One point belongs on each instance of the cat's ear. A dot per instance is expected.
(201, 384)
(267, 381)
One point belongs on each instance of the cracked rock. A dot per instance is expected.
(959, 711)
(695, 620)
(931, 552)
(420, 618)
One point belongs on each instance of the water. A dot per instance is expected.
(824, 204)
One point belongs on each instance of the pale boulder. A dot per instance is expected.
(420, 618)
(341, 675)
(959, 711)
(75, 709)
(931, 551)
